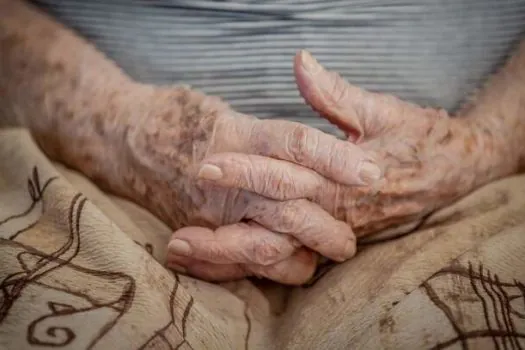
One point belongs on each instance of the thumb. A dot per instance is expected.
(357, 112)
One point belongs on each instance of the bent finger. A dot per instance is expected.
(357, 112)
(335, 159)
(309, 223)
(205, 270)
(247, 243)
(295, 270)
(268, 177)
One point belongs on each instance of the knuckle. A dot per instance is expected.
(291, 217)
(260, 136)
(268, 185)
(265, 254)
(215, 252)
(283, 185)
(278, 184)
(246, 174)
(297, 143)
(338, 157)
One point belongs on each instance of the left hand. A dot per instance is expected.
(428, 161)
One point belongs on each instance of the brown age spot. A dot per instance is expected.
(87, 160)
(185, 147)
(99, 123)
(446, 138)
(68, 114)
(62, 108)
(47, 33)
(263, 147)
(469, 143)
(183, 97)
(10, 42)
(191, 115)
(167, 117)
(57, 106)
(73, 83)
(22, 64)
(58, 66)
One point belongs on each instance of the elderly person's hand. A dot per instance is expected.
(147, 143)
(170, 132)
(428, 160)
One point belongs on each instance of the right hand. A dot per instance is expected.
(429, 159)
(175, 128)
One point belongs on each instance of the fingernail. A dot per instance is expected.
(349, 250)
(210, 172)
(369, 172)
(310, 63)
(179, 247)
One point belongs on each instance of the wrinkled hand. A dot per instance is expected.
(174, 129)
(428, 160)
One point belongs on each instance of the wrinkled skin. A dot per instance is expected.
(261, 201)
(146, 143)
(179, 127)
(428, 161)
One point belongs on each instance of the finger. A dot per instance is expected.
(335, 159)
(357, 112)
(295, 270)
(247, 243)
(268, 177)
(206, 270)
(307, 222)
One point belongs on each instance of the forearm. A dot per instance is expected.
(499, 110)
(60, 87)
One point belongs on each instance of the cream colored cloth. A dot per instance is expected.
(79, 270)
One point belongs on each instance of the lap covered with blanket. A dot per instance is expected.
(81, 269)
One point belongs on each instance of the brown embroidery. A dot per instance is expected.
(495, 298)
(148, 247)
(161, 338)
(54, 328)
(37, 271)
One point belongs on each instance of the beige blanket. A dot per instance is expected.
(80, 270)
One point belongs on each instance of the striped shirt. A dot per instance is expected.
(432, 52)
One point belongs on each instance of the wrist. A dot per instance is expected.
(498, 110)
(168, 132)
(167, 126)
(89, 131)
(497, 152)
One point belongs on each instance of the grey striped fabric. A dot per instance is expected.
(432, 52)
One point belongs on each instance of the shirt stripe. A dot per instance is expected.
(432, 52)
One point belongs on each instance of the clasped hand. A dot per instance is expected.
(251, 197)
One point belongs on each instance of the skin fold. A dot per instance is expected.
(247, 196)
